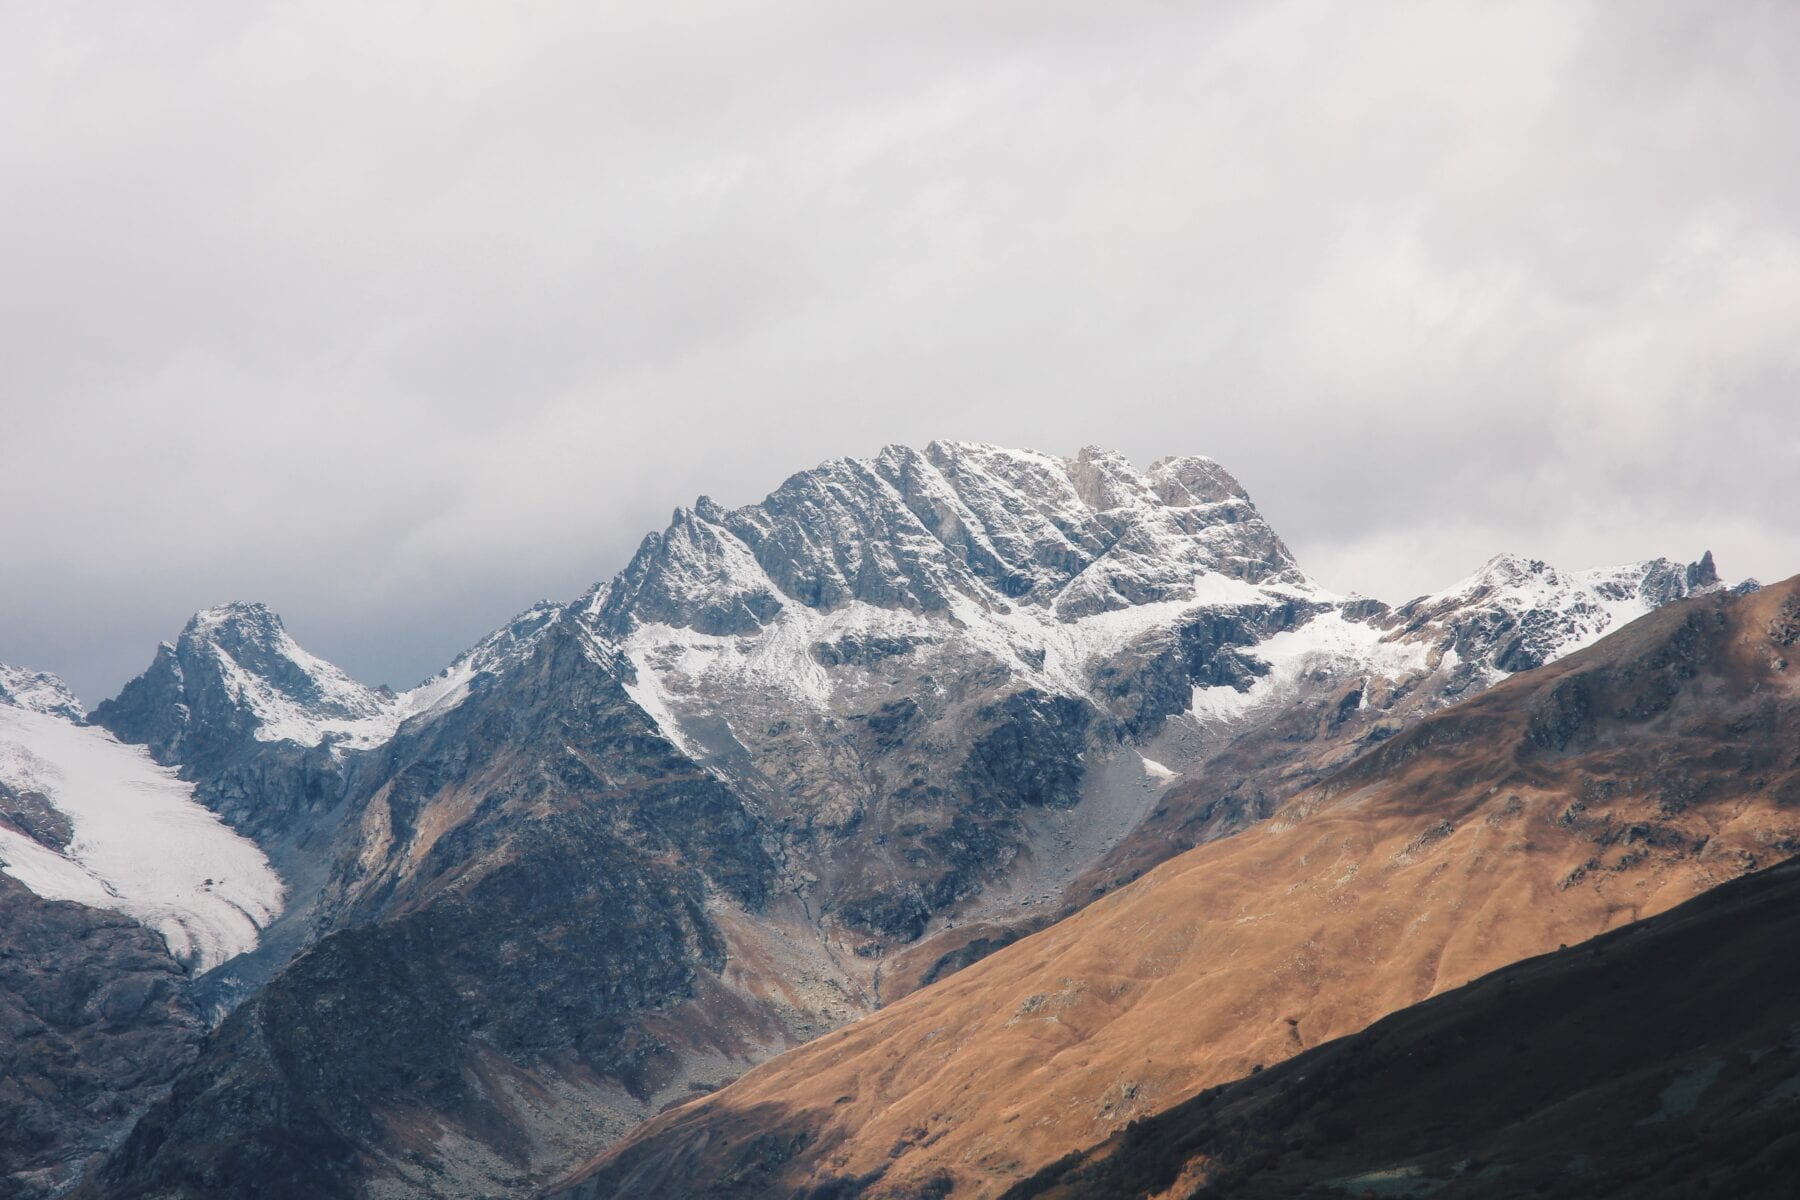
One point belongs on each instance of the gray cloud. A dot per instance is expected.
(399, 318)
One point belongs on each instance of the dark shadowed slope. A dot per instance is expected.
(1658, 1060)
(93, 1025)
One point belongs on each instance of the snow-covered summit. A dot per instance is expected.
(236, 676)
(1516, 613)
(38, 691)
(925, 531)
(292, 694)
(1004, 567)
(507, 646)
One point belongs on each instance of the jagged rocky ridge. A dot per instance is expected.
(921, 702)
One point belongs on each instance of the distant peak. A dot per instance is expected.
(1106, 480)
(1500, 571)
(244, 615)
(1189, 479)
(39, 692)
(1509, 563)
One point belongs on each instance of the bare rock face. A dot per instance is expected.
(32, 814)
(94, 1025)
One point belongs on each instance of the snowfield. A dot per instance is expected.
(141, 844)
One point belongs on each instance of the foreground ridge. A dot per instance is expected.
(1655, 1060)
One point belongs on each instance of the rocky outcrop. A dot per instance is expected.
(31, 813)
(94, 1025)
(39, 692)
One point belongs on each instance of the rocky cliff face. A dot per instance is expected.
(94, 1025)
(905, 659)
(793, 759)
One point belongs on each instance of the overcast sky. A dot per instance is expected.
(399, 317)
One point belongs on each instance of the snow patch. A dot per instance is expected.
(1156, 770)
(141, 845)
(1329, 641)
(779, 660)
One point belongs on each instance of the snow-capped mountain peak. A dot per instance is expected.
(38, 691)
(1515, 613)
(510, 644)
(1185, 480)
(236, 676)
(956, 523)
(292, 694)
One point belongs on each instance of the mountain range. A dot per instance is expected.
(1048, 752)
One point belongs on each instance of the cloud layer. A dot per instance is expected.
(400, 317)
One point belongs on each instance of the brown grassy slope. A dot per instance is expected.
(1562, 803)
(1658, 1060)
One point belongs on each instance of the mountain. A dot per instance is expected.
(234, 673)
(276, 741)
(1658, 1060)
(38, 692)
(795, 761)
(896, 657)
(115, 885)
(1597, 790)
(531, 901)
(931, 668)
(235, 691)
